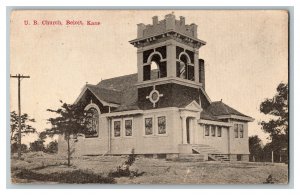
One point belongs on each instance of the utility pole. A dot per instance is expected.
(19, 77)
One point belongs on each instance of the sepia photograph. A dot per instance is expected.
(149, 97)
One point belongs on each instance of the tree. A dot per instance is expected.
(38, 145)
(14, 127)
(14, 147)
(277, 126)
(256, 148)
(72, 120)
(52, 147)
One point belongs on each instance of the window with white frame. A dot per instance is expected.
(219, 131)
(149, 126)
(206, 130)
(236, 131)
(213, 130)
(128, 127)
(241, 130)
(161, 124)
(117, 128)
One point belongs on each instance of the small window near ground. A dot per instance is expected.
(236, 133)
(117, 128)
(241, 130)
(161, 122)
(219, 131)
(128, 127)
(148, 126)
(239, 157)
(206, 130)
(213, 131)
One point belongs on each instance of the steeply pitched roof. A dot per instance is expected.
(127, 90)
(219, 108)
(107, 95)
(119, 83)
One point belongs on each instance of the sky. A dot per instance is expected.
(246, 56)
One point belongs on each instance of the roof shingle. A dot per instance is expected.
(219, 108)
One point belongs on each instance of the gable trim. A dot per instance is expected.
(193, 106)
(104, 103)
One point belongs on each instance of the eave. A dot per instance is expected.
(209, 122)
(187, 38)
(232, 116)
(104, 103)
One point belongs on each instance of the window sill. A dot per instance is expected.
(156, 135)
(125, 137)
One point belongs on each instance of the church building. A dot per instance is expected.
(162, 110)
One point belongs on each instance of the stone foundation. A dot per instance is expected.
(239, 157)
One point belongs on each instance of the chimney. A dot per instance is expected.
(140, 30)
(155, 20)
(202, 73)
(182, 20)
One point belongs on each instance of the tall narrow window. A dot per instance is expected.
(149, 126)
(93, 126)
(206, 130)
(241, 130)
(219, 131)
(213, 131)
(236, 132)
(117, 128)
(128, 127)
(161, 122)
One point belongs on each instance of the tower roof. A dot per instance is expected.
(168, 28)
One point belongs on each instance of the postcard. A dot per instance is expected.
(149, 96)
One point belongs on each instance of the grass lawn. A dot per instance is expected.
(157, 171)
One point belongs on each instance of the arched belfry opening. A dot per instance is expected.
(185, 69)
(183, 65)
(155, 67)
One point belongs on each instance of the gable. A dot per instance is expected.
(87, 97)
(193, 106)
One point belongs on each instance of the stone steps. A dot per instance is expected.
(211, 152)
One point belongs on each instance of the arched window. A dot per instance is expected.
(155, 68)
(93, 127)
(184, 68)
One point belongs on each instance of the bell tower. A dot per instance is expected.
(167, 62)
